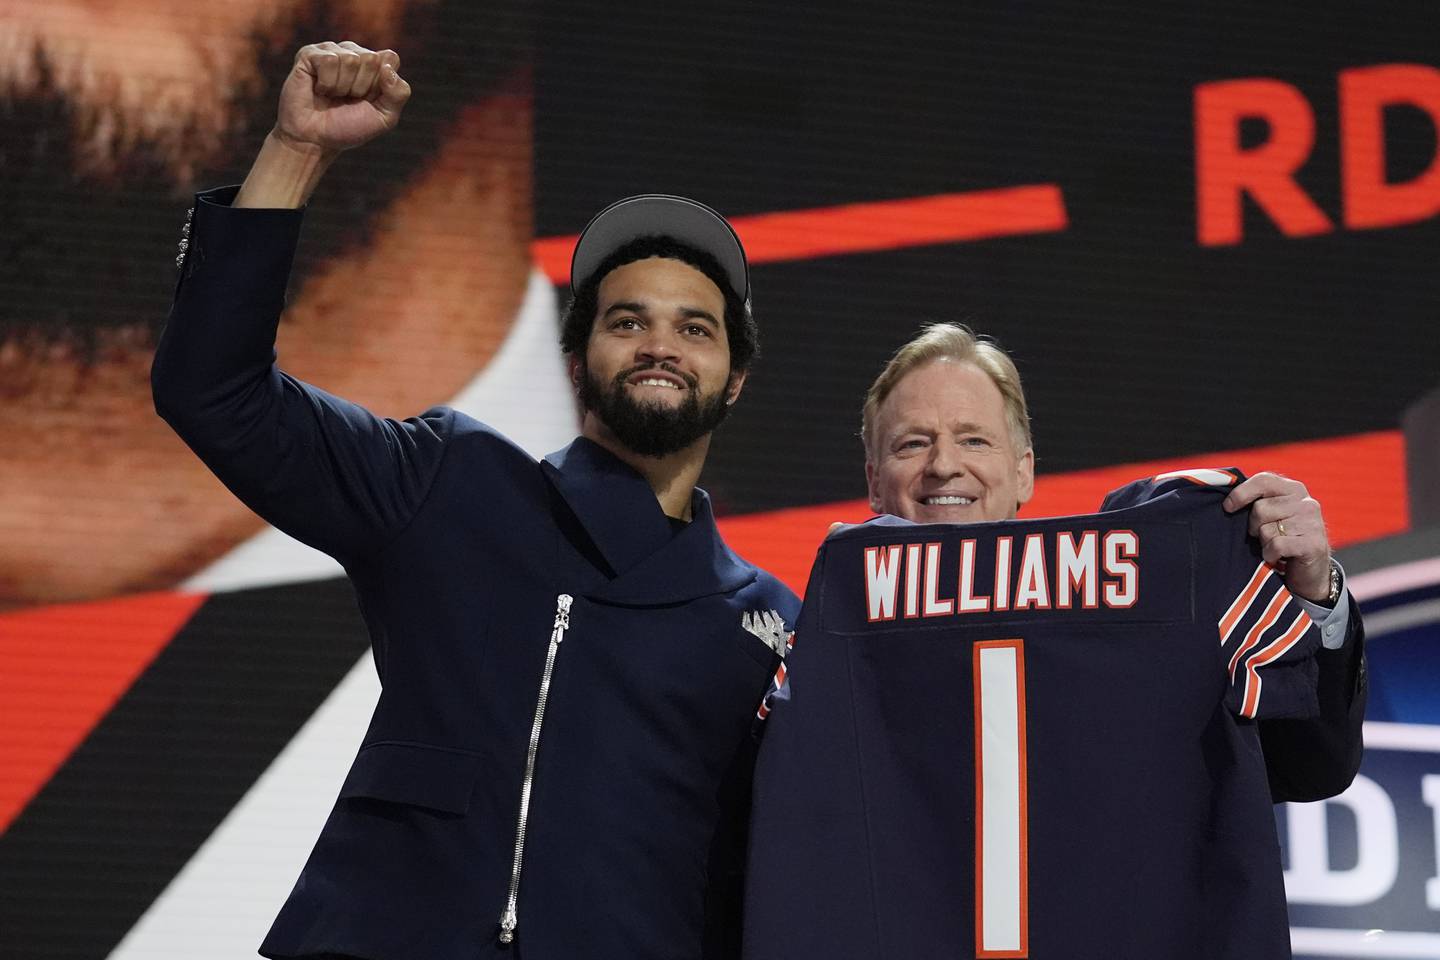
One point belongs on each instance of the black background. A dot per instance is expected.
(1135, 342)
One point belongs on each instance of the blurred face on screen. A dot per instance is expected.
(415, 261)
(942, 450)
(170, 75)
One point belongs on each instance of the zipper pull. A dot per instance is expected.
(508, 923)
(562, 611)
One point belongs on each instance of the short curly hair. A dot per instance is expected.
(741, 331)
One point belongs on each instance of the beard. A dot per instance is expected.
(77, 151)
(652, 429)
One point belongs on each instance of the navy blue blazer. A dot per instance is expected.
(462, 550)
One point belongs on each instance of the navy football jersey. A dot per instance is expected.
(1032, 738)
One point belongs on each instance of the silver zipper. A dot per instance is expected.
(508, 919)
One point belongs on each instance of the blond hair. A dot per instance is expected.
(957, 342)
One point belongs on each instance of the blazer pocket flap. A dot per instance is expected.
(413, 773)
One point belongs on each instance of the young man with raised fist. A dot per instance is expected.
(571, 658)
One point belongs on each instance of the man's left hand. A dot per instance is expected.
(1291, 530)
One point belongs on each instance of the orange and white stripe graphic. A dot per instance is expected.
(1250, 705)
(777, 682)
(1271, 616)
(1240, 606)
(1250, 655)
(1202, 476)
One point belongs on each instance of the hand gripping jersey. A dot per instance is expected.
(1032, 739)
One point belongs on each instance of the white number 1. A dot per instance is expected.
(1002, 904)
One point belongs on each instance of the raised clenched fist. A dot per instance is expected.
(340, 95)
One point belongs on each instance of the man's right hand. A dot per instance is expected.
(340, 95)
(337, 96)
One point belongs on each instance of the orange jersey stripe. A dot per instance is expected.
(1202, 476)
(1243, 601)
(1267, 620)
(1272, 652)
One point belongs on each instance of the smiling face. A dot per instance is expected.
(942, 449)
(656, 375)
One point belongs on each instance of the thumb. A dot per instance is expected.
(394, 92)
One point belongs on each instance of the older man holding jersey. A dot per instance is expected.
(1026, 756)
(947, 440)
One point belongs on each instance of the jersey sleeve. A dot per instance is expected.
(1313, 758)
(1267, 642)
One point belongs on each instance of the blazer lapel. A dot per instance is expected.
(613, 503)
(695, 563)
(650, 564)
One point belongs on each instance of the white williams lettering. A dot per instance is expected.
(1066, 570)
(882, 573)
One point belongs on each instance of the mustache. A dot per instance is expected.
(114, 125)
(691, 381)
